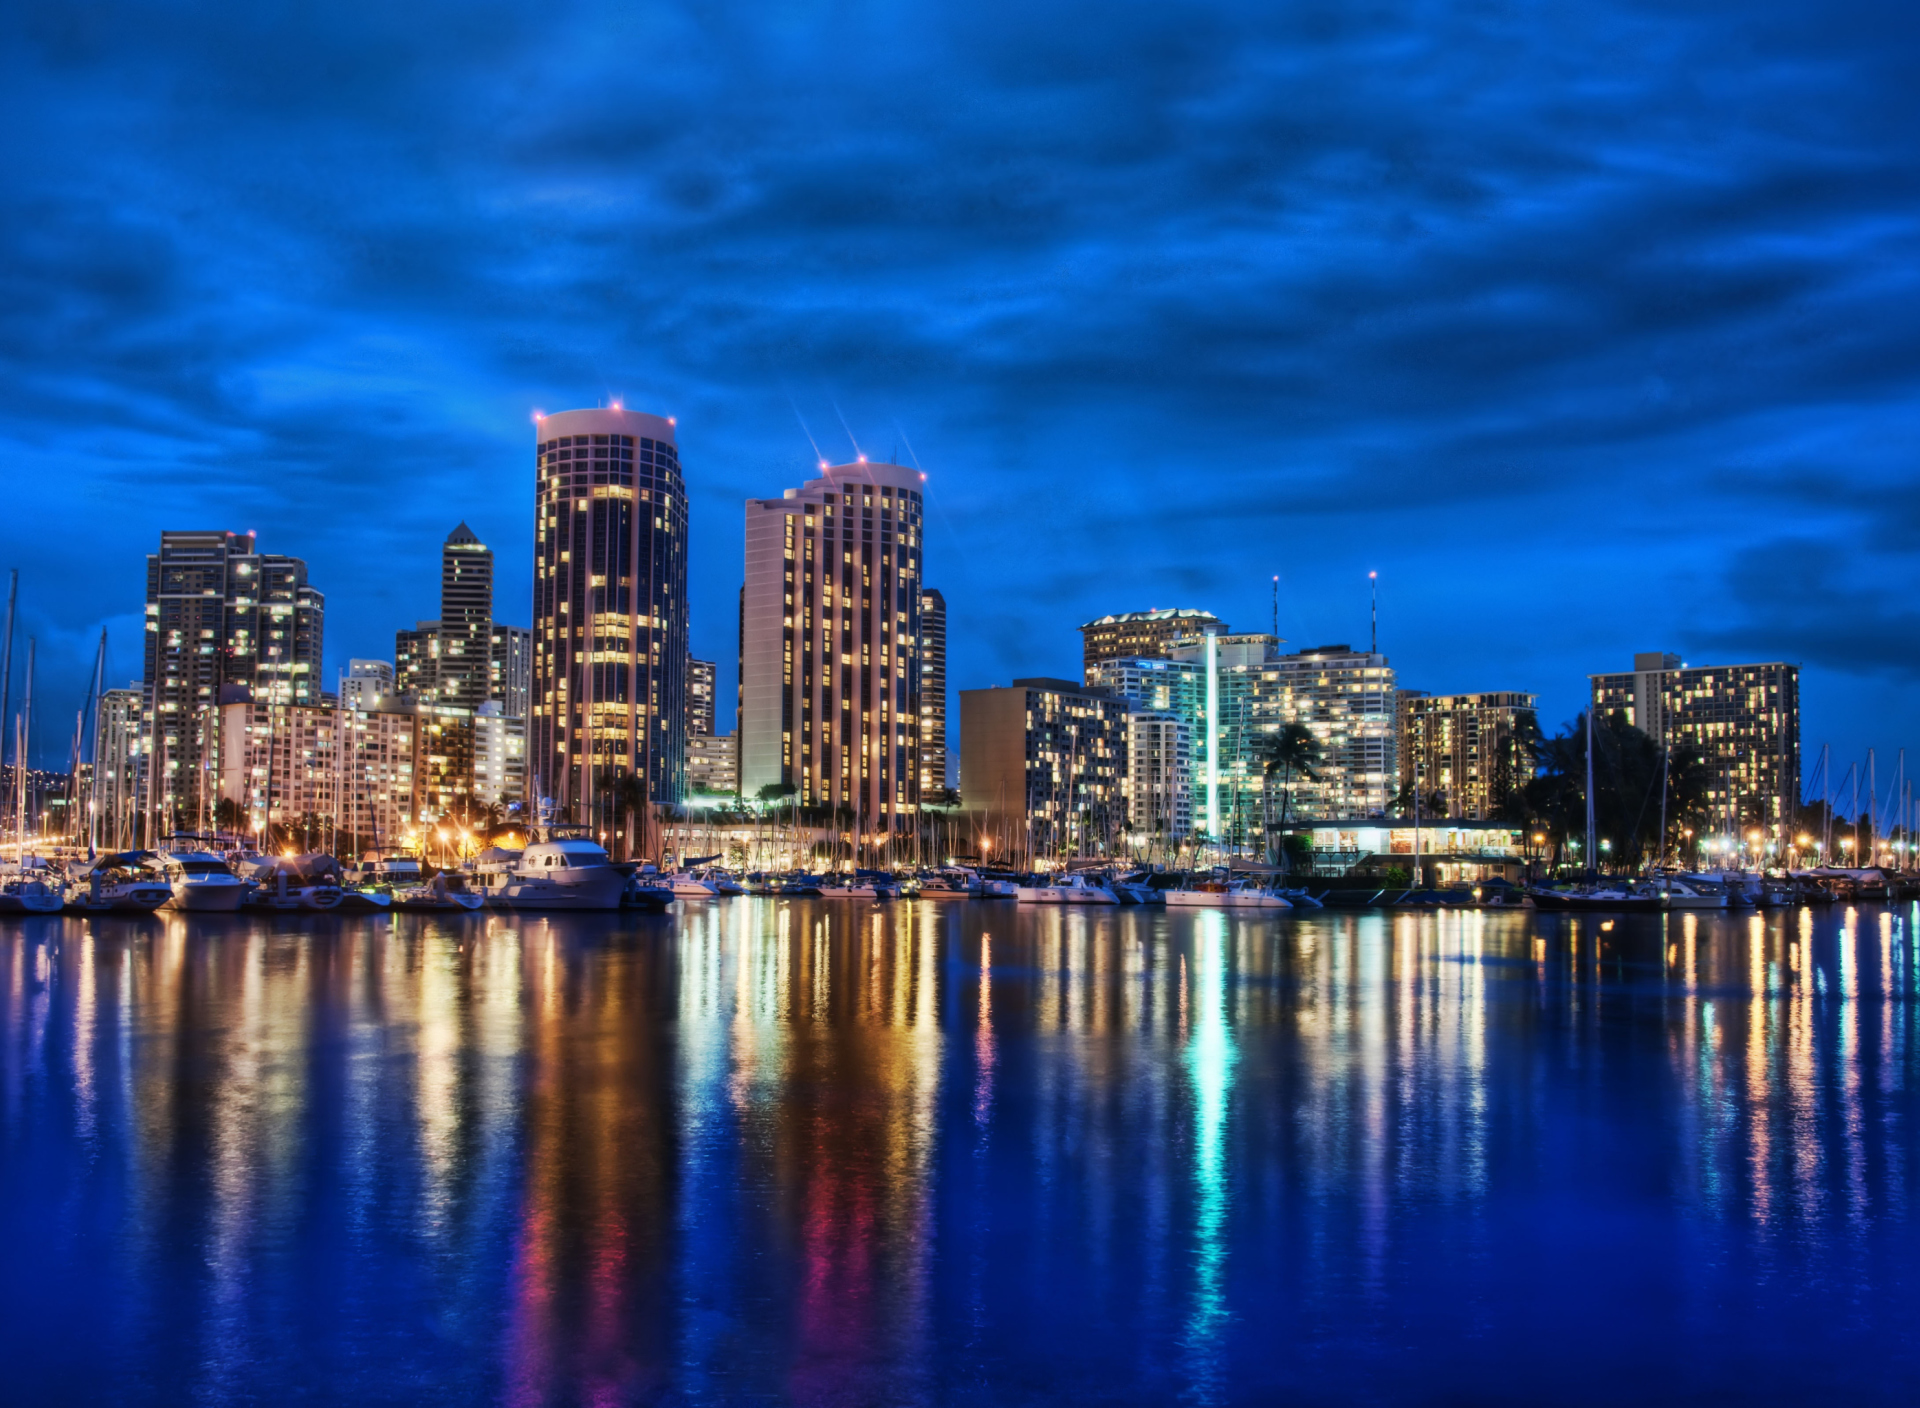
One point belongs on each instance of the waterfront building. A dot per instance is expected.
(218, 613)
(609, 611)
(1043, 766)
(1159, 777)
(934, 776)
(499, 756)
(367, 684)
(1471, 748)
(1743, 720)
(1143, 634)
(702, 685)
(831, 649)
(117, 774)
(711, 771)
(1348, 698)
(1454, 851)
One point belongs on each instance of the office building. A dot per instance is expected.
(451, 660)
(218, 613)
(1159, 777)
(830, 652)
(117, 774)
(609, 612)
(934, 777)
(702, 680)
(510, 670)
(1470, 749)
(1043, 765)
(1145, 634)
(499, 756)
(1743, 720)
(367, 684)
(710, 766)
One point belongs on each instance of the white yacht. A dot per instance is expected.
(117, 883)
(201, 881)
(571, 873)
(28, 888)
(1066, 889)
(1679, 892)
(1226, 894)
(688, 886)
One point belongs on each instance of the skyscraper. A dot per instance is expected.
(511, 667)
(1143, 634)
(702, 677)
(218, 613)
(830, 651)
(933, 693)
(449, 661)
(609, 611)
(1744, 720)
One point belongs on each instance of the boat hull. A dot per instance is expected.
(1044, 895)
(594, 891)
(208, 899)
(1206, 899)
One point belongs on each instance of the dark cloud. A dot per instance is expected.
(1564, 318)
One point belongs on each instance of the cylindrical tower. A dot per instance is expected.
(609, 614)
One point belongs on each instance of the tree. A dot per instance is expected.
(1292, 752)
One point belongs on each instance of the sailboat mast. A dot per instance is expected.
(1590, 826)
(6, 662)
(23, 748)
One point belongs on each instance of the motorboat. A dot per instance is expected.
(647, 889)
(117, 883)
(861, 885)
(942, 885)
(723, 883)
(1001, 886)
(800, 886)
(562, 873)
(202, 882)
(1224, 893)
(1066, 889)
(390, 871)
(293, 882)
(1603, 899)
(1138, 888)
(445, 893)
(28, 888)
(1683, 892)
(689, 886)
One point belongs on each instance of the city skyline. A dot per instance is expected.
(1457, 339)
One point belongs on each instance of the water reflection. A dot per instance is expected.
(819, 1152)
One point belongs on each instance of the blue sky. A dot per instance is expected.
(1592, 327)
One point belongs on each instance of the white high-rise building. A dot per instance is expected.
(1159, 785)
(830, 658)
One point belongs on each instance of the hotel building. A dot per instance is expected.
(1043, 766)
(1469, 747)
(1143, 634)
(1743, 720)
(218, 613)
(1159, 779)
(831, 648)
(293, 762)
(933, 694)
(609, 611)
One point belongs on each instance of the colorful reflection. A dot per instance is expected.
(821, 1152)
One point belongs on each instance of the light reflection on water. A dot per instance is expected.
(821, 1152)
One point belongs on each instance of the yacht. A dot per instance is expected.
(943, 885)
(798, 886)
(861, 885)
(687, 885)
(649, 890)
(202, 882)
(118, 883)
(446, 893)
(1138, 888)
(1066, 889)
(292, 882)
(1222, 893)
(28, 889)
(1679, 892)
(390, 871)
(564, 873)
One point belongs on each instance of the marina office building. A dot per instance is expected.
(832, 643)
(609, 612)
(1743, 719)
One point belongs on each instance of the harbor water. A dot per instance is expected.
(835, 1152)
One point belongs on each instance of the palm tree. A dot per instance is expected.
(1292, 752)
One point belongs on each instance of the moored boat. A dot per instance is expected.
(118, 883)
(1219, 893)
(201, 881)
(568, 872)
(1066, 889)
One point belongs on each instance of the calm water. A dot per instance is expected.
(838, 1154)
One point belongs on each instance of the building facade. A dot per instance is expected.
(935, 777)
(499, 756)
(702, 681)
(609, 612)
(1043, 767)
(510, 670)
(346, 771)
(1159, 780)
(218, 613)
(1470, 748)
(1145, 634)
(367, 684)
(830, 652)
(710, 766)
(1744, 720)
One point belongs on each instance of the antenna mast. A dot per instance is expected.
(1373, 580)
